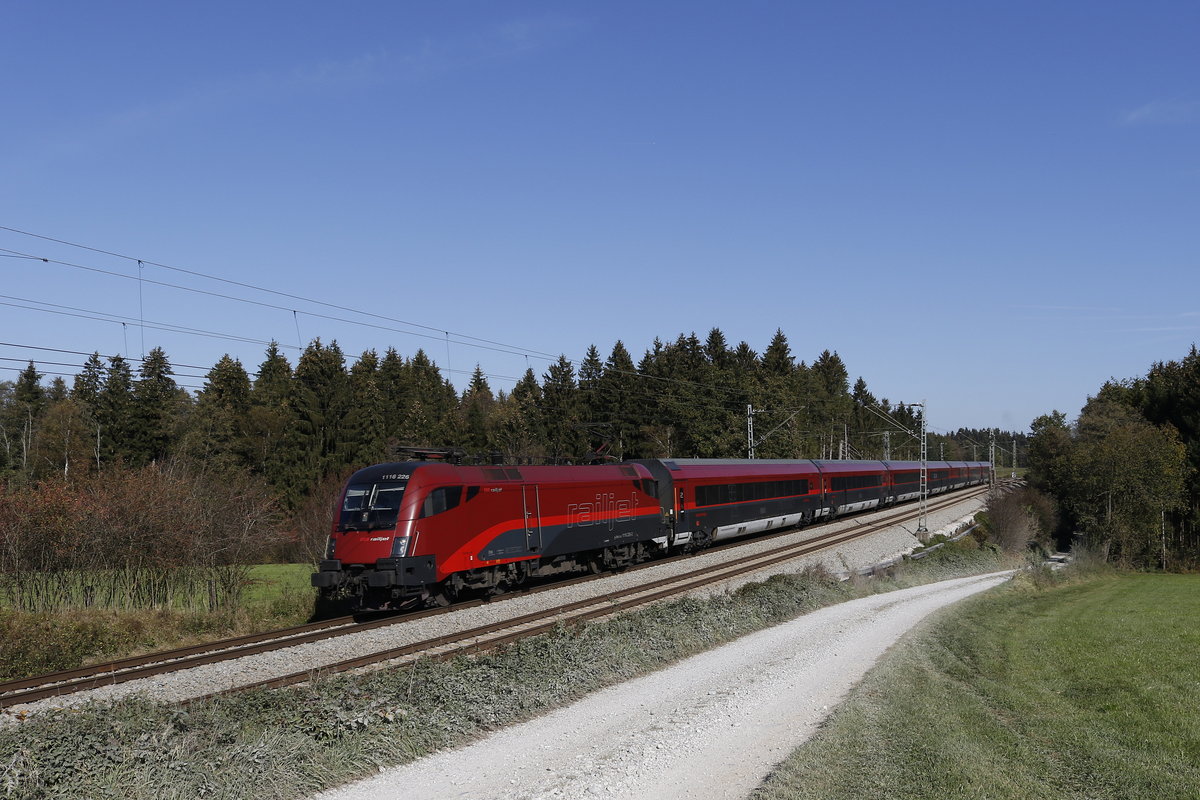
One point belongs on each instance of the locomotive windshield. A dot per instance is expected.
(371, 506)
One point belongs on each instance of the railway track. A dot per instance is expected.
(30, 690)
(493, 635)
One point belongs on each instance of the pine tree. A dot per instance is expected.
(517, 423)
(269, 417)
(716, 350)
(57, 392)
(560, 410)
(156, 409)
(598, 430)
(777, 360)
(429, 421)
(864, 419)
(744, 374)
(690, 402)
(658, 435)
(396, 394)
(273, 386)
(366, 438)
(319, 404)
(832, 375)
(86, 388)
(784, 405)
(115, 412)
(732, 391)
(217, 434)
(621, 401)
(477, 407)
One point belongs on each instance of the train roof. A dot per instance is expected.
(483, 474)
(717, 467)
(636, 469)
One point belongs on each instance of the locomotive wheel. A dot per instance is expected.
(448, 591)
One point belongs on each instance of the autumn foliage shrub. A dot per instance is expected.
(164, 535)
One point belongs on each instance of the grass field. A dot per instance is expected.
(1087, 689)
(275, 596)
(273, 585)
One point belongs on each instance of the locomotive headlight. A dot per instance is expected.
(400, 547)
(329, 548)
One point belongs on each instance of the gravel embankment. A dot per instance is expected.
(207, 679)
(712, 726)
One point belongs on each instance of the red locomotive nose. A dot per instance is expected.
(363, 547)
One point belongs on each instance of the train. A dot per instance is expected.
(427, 532)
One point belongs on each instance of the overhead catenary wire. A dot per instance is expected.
(345, 357)
(526, 352)
(141, 310)
(100, 316)
(265, 289)
(262, 304)
(72, 374)
(37, 361)
(461, 339)
(83, 353)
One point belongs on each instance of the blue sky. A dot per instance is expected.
(991, 206)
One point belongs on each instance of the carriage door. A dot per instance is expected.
(533, 517)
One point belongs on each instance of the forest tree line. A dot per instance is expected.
(1126, 473)
(297, 425)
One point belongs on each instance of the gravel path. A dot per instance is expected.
(710, 727)
(199, 681)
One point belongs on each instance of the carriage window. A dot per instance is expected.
(855, 482)
(743, 492)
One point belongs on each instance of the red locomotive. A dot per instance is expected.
(429, 531)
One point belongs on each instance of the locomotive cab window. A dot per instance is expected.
(371, 506)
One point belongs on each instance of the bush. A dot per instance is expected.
(165, 535)
(1017, 520)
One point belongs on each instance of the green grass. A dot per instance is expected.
(183, 589)
(32, 643)
(280, 586)
(1079, 690)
